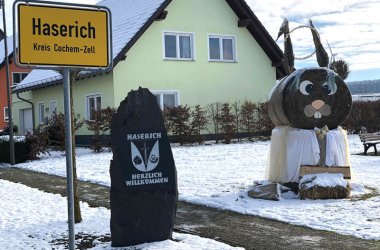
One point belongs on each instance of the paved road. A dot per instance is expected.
(250, 232)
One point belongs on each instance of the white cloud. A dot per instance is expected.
(351, 27)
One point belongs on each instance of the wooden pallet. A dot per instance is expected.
(309, 169)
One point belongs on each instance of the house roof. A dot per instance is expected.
(130, 19)
(258, 31)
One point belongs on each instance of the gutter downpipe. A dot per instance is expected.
(31, 103)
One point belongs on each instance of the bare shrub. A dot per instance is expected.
(178, 120)
(100, 126)
(248, 117)
(55, 129)
(227, 123)
(198, 123)
(213, 111)
(264, 123)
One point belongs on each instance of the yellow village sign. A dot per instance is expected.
(59, 35)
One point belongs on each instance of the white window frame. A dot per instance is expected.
(6, 114)
(41, 115)
(13, 73)
(221, 37)
(167, 92)
(56, 106)
(87, 104)
(177, 34)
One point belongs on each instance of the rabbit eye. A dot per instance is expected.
(306, 87)
(328, 89)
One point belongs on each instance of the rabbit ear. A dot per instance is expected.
(322, 56)
(288, 47)
(284, 26)
(288, 55)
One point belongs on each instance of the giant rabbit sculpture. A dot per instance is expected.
(309, 97)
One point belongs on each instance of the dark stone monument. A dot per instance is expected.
(143, 175)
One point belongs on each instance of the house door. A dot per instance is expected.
(26, 121)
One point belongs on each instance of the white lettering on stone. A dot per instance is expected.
(143, 136)
(146, 179)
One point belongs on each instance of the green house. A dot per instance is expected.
(186, 53)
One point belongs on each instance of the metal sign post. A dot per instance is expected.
(69, 156)
(64, 37)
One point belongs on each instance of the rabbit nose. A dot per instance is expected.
(317, 104)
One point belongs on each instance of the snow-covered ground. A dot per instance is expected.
(220, 176)
(32, 219)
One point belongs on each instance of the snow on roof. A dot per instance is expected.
(45, 78)
(128, 18)
(37, 77)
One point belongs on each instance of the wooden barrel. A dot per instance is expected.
(309, 98)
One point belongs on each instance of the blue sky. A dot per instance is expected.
(351, 27)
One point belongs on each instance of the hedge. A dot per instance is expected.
(21, 149)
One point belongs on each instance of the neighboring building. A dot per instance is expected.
(16, 75)
(185, 52)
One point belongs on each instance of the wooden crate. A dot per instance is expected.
(308, 169)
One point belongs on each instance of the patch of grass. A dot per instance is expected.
(82, 241)
(373, 193)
